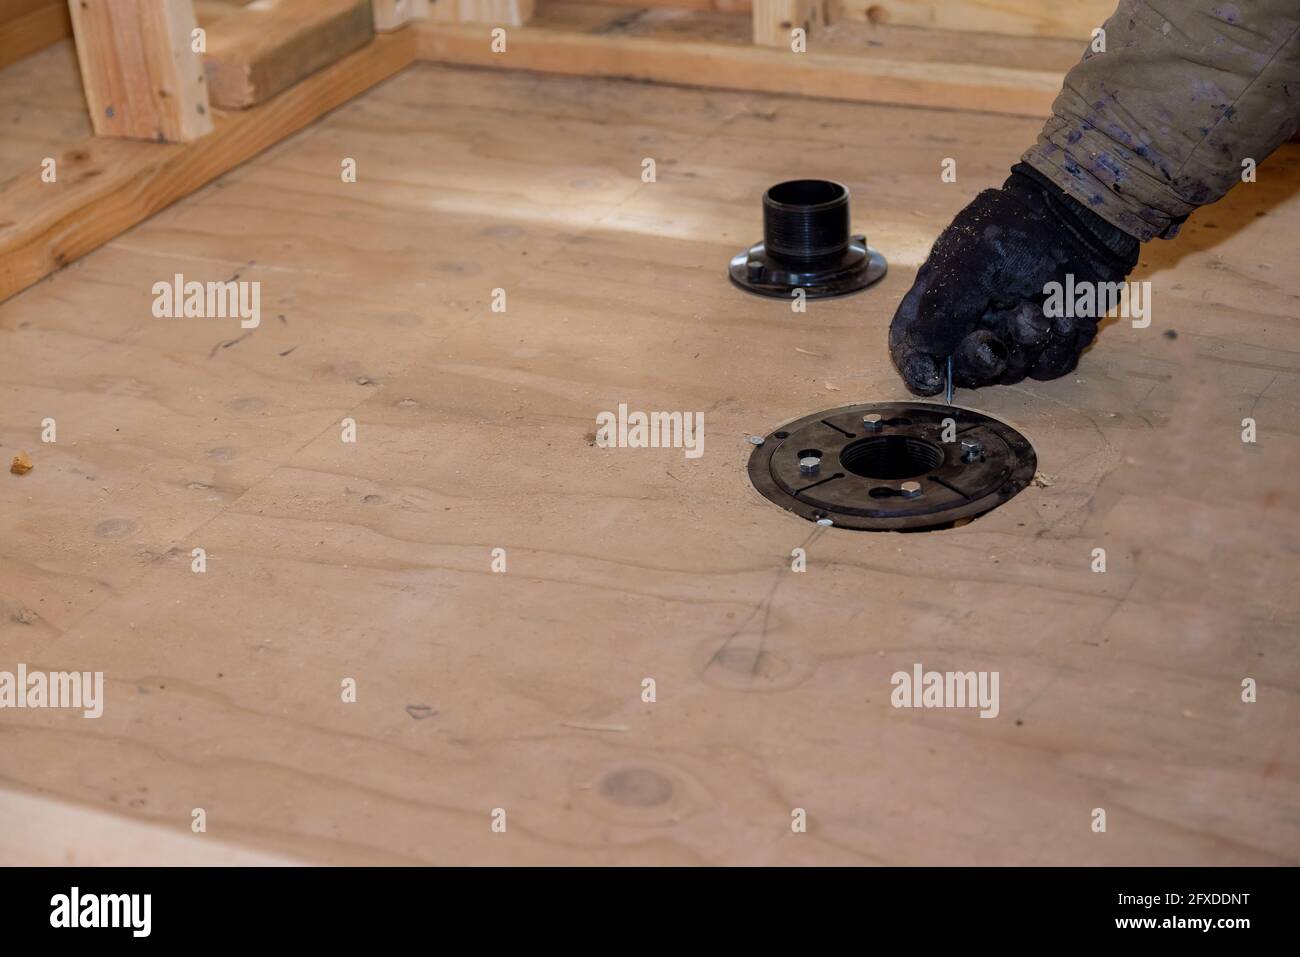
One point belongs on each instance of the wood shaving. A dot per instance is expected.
(582, 726)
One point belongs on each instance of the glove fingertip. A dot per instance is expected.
(921, 373)
(981, 357)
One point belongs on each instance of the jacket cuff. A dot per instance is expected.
(1084, 177)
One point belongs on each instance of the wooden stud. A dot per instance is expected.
(776, 20)
(142, 77)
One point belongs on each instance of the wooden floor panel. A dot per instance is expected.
(522, 690)
(42, 109)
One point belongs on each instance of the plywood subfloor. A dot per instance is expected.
(522, 690)
(42, 109)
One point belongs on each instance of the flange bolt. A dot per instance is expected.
(810, 465)
(971, 450)
(910, 489)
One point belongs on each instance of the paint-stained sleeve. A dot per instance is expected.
(1164, 119)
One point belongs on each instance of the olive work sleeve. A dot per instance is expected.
(1173, 104)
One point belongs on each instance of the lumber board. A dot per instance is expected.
(1074, 20)
(939, 48)
(257, 51)
(142, 77)
(27, 26)
(694, 57)
(109, 185)
(1031, 18)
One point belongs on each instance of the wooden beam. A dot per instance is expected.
(105, 186)
(1042, 18)
(142, 78)
(27, 26)
(694, 59)
(255, 52)
(776, 20)
(1032, 18)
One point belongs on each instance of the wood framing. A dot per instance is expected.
(702, 58)
(142, 77)
(105, 186)
(776, 20)
(1074, 20)
(255, 52)
(30, 25)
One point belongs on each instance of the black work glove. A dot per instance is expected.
(979, 295)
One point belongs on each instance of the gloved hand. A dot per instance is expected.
(978, 297)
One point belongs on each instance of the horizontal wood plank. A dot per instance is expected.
(256, 52)
(672, 51)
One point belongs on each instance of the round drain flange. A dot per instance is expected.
(886, 467)
(806, 245)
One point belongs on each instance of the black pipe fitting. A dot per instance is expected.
(807, 245)
(806, 221)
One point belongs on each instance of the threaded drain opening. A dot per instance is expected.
(806, 192)
(806, 220)
(891, 457)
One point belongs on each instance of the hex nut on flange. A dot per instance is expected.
(810, 465)
(910, 489)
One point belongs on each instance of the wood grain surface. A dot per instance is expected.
(522, 691)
